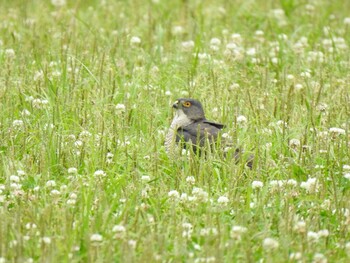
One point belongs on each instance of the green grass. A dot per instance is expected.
(64, 69)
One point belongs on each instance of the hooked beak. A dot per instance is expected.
(176, 104)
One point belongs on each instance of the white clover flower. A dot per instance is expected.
(312, 236)
(46, 240)
(72, 170)
(177, 30)
(10, 53)
(223, 200)
(257, 184)
(298, 86)
(336, 131)
(168, 93)
(17, 123)
(173, 194)
(145, 178)
(25, 113)
(30, 226)
(295, 256)
(38, 75)
(184, 197)
(190, 180)
(84, 135)
(187, 45)
(132, 243)
(319, 258)
(100, 173)
(251, 52)
(71, 202)
(347, 176)
(200, 194)
(323, 233)
(215, 42)
(237, 232)
(55, 192)
(346, 167)
(241, 119)
(119, 229)
(347, 21)
(274, 60)
(96, 238)
(15, 186)
(73, 196)
(14, 178)
(276, 184)
(311, 185)
(322, 107)
(270, 244)
(300, 227)
(292, 182)
(58, 3)
(290, 77)
(135, 40)
(305, 74)
(51, 183)
(120, 107)
(78, 143)
(347, 248)
(294, 143)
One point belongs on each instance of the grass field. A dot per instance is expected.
(86, 89)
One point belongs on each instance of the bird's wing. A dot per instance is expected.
(198, 132)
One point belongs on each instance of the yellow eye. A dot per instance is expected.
(186, 104)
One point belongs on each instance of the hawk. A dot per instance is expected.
(192, 128)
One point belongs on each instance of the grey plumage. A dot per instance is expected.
(190, 128)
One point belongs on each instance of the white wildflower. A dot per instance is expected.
(257, 184)
(96, 238)
(336, 131)
(270, 244)
(132, 243)
(72, 170)
(319, 258)
(237, 232)
(173, 194)
(177, 30)
(46, 240)
(241, 119)
(14, 178)
(10, 53)
(295, 256)
(223, 200)
(294, 143)
(120, 108)
(51, 183)
(215, 42)
(347, 21)
(135, 40)
(187, 45)
(190, 180)
(58, 3)
(55, 192)
(300, 227)
(100, 173)
(311, 185)
(312, 236)
(145, 178)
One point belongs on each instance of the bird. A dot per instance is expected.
(190, 129)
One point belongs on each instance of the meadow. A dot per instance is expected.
(86, 89)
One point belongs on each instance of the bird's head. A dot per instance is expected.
(193, 109)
